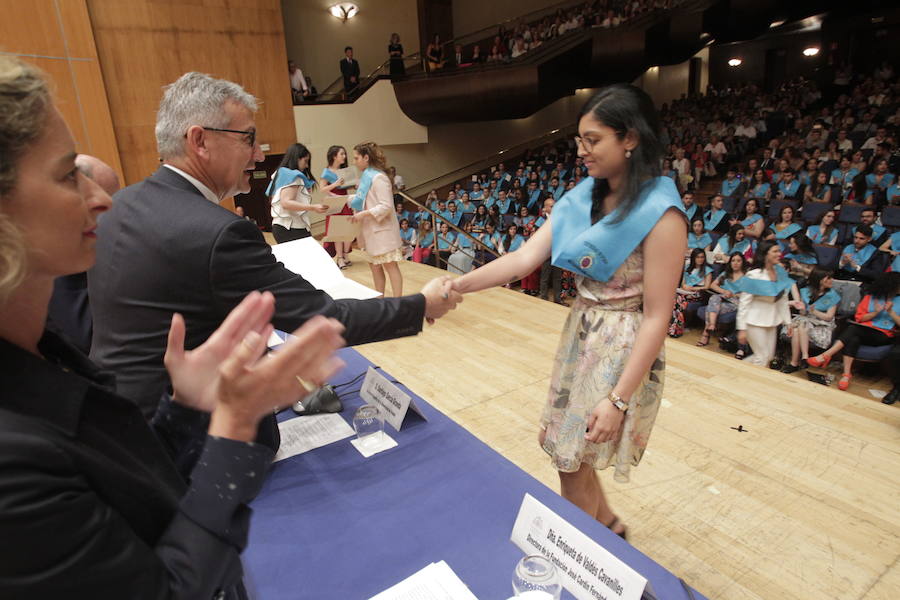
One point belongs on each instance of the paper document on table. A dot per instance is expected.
(302, 434)
(308, 259)
(437, 581)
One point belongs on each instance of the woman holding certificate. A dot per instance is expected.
(337, 159)
(290, 193)
(622, 231)
(373, 209)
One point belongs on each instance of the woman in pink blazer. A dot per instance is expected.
(373, 208)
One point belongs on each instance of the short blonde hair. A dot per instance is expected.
(24, 102)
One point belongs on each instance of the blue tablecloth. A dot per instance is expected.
(330, 524)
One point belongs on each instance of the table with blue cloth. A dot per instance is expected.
(330, 524)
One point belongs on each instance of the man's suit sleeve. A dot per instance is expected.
(241, 261)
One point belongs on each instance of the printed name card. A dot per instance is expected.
(587, 569)
(393, 402)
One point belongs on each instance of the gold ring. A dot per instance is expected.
(309, 387)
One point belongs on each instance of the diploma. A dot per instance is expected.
(349, 175)
(341, 229)
(334, 203)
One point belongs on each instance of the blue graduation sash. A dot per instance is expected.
(895, 246)
(786, 232)
(728, 187)
(463, 242)
(712, 219)
(702, 242)
(884, 184)
(597, 250)
(533, 197)
(558, 192)
(365, 182)
(742, 246)
(330, 176)
(824, 302)
(444, 243)
(859, 256)
(406, 234)
(516, 242)
(691, 212)
(882, 320)
(730, 285)
(751, 220)
(451, 218)
(503, 207)
(694, 278)
(489, 240)
(789, 190)
(427, 240)
(765, 287)
(844, 179)
(284, 176)
(815, 234)
(760, 190)
(539, 222)
(805, 259)
(473, 195)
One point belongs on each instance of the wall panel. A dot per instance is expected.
(56, 36)
(146, 44)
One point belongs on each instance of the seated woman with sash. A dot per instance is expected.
(763, 305)
(760, 188)
(330, 182)
(814, 321)
(466, 206)
(290, 195)
(479, 219)
(698, 238)
(444, 245)
(818, 190)
(825, 231)
(875, 324)
(784, 228)
(460, 261)
(424, 243)
(752, 220)
(489, 240)
(727, 245)
(477, 193)
(801, 257)
(622, 232)
(892, 247)
(694, 281)
(725, 299)
(409, 238)
(715, 220)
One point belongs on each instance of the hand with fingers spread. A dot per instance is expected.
(604, 423)
(440, 297)
(194, 372)
(248, 387)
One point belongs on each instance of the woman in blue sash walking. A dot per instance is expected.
(622, 231)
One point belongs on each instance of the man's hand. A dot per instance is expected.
(440, 297)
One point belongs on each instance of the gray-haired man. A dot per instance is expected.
(167, 246)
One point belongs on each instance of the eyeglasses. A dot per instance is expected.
(251, 134)
(586, 143)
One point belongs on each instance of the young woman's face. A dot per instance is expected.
(739, 235)
(303, 163)
(523, 212)
(427, 225)
(736, 263)
(404, 224)
(759, 176)
(697, 227)
(601, 149)
(361, 161)
(773, 255)
(787, 214)
(512, 230)
(341, 156)
(827, 282)
(751, 207)
(822, 178)
(792, 244)
(444, 228)
(700, 258)
(828, 219)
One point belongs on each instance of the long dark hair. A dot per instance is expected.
(759, 257)
(623, 108)
(728, 273)
(692, 263)
(814, 281)
(804, 245)
(885, 286)
(732, 234)
(829, 228)
(293, 155)
(332, 153)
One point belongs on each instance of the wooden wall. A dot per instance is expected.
(56, 36)
(146, 44)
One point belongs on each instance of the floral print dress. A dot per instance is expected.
(597, 340)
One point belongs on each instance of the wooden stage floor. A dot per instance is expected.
(805, 504)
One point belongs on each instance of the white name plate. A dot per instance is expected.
(587, 569)
(393, 402)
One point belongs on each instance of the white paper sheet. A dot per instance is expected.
(385, 443)
(350, 176)
(437, 581)
(308, 259)
(302, 434)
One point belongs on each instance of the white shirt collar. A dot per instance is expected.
(207, 193)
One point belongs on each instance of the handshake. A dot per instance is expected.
(440, 297)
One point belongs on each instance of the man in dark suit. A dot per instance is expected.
(167, 246)
(350, 71)
(69, 313)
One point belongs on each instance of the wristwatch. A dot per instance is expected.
(617, 401)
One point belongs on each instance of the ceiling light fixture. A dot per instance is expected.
(734, 62)
(775, 24)
(811, 51)
(344, 10)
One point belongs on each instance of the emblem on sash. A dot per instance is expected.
(586, 262)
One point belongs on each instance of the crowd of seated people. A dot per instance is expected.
(813, 179)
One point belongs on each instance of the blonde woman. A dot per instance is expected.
(373, 208)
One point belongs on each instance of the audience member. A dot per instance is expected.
(350, 71)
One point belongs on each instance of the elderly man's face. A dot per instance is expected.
(231, 160)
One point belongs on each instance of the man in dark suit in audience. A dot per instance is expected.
(69, 313)
(167, 246)
(350, 71)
